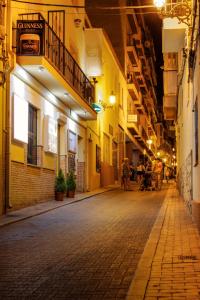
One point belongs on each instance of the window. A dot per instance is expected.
(32, 135)
(196, 139)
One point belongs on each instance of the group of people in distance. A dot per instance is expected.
(148, 175)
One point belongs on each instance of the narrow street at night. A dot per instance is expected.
(85, 250)
(99, 149)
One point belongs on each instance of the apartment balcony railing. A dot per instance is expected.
(132, 80)
(56, 53)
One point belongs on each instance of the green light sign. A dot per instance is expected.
(97, 107)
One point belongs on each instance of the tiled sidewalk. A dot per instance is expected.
(40, 208)
(170, 265)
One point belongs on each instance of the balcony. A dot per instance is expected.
(133, 123)
(173, 35)
(132, 54)
(133, 87)
(45, 57)
(170, 61)
(170, 95)
(170, 107)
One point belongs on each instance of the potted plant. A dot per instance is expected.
(60, 186)
(71, 184)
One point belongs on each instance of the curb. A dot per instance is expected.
(140, 281)
(8, 218)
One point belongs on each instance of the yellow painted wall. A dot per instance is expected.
(112, 80)
(49, 161)
(74, 36)
(17, 152)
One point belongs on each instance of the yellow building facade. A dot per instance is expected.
(70, 104)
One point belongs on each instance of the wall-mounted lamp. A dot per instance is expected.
(112, 100)
(77, 22)
(159, 3)
(158, 154)
(94, 80)
(149, 142)
(179, 9)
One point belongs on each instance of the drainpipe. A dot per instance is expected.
(7, 100)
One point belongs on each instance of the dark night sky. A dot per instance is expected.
(154, 23)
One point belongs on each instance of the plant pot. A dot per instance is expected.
(59, 196)
(70, 194)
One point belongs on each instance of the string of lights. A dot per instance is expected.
(94, 7)
(83, 13)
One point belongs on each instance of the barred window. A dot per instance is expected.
(32, 135)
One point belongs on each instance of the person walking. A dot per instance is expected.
(140, 172)
(125, 173)
(167, 174)
(158, 168)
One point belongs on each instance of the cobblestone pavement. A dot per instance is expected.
(86, 250)
(169, 268)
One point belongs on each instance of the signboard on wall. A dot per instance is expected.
(30, 37)
(132, 118)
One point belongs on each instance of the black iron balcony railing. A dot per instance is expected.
(55, 51)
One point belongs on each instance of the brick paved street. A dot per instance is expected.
(86, 250)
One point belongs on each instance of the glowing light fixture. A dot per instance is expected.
(159, 3)
(112, 98)
(149, 142)
(158, 154)
(176, 9)
(112, 101)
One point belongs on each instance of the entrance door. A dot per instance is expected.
(80, 166)
(114, 160)
(58, 149)
(90, 164)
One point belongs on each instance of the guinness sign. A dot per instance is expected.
(30, 37)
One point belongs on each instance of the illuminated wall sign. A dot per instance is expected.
(20, 116)
(132, 118)
(97, 107)
(50, 133)
(30, 37)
